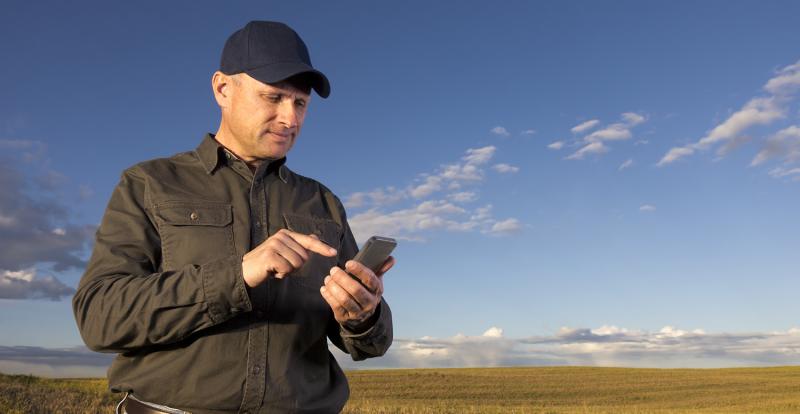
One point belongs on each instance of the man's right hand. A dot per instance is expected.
(281, 254)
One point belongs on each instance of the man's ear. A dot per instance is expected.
(222, 85)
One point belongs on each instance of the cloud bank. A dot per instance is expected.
(45, 362)
(35, 225)
(607, 345)
(27, 284)
(604, 346)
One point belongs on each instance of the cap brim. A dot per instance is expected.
(277, 72)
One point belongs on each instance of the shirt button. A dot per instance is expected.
(193, 216)
(258, 224)
(256, 369)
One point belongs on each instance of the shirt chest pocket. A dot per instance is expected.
(318, 266)
(194, 232)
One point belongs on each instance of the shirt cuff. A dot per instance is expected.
(224, 289)
(368, 330)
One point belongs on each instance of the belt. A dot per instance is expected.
(132, 405)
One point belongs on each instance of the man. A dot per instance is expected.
(219, 274)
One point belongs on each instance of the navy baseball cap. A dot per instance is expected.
(271, 52)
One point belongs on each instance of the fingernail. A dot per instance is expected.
(327, 278)
(332, 250)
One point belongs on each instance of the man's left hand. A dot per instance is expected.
(352, 302)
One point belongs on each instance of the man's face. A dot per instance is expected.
(264, 120)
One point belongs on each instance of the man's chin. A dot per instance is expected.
(275, 152)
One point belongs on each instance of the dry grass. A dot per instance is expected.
(492, 390)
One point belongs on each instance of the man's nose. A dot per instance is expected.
(287, 113)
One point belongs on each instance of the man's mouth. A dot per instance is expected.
(281, 136)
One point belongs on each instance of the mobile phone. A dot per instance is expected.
(375, 252)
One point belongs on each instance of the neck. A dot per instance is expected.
(223, 136)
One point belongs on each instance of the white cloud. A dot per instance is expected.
(675, 154)
(463, 197)
(450, 176)
(528, 132)
(478, 156)
(507, 226)
(482, 214)
(431, 185)
(613, 132)
(617, 131)
(605, 346)
(627, 164)
(462, 172)
(762, 110)
(30, 208)
(380, 196)
(406, 222)
(759, 111)
(591, 148)
(585, 126)
(505, 168)
(27, 284)
(786, 82)
(732, 144)
(498, 130)
(784, 144)
(632, 118)
(556, 145)
(780, 172)
(355, 200)
(594, 142)
(411, 223)
(493, 332)
(422, 211)
(647, 207)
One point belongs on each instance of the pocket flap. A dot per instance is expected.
(327, 230)
(195, 214)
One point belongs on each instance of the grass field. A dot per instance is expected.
(491, 390)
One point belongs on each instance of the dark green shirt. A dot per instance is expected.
(164, 289)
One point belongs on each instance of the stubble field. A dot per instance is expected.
(490, 390)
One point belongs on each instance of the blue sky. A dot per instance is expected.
(575, 176)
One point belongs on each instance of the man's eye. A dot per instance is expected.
(301, 104)
(273, 98)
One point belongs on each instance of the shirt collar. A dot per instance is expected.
(212, 155)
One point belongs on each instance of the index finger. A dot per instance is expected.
(312, 243)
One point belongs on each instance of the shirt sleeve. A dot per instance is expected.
(374, 340)
(123, 302)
